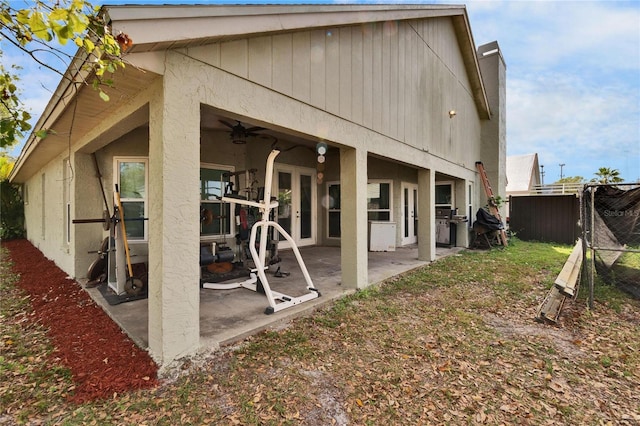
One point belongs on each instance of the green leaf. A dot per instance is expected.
(88, 45)
(78, 41)
(39, 26)
(76, 25)
(5, 17)
(42, 133)
(64, 34)
(104, 96)
(23, 16)
(58, 14)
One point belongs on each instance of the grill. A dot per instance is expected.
(446, 226)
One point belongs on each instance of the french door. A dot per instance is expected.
(409, 204)
(296, 190)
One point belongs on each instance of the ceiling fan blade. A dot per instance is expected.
(226, 123)
(254, 129)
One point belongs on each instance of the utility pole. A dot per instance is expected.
(542, 173)
(561, 166)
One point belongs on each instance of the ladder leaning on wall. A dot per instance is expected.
(491, 200)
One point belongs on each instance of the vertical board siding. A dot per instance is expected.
(332, 69)
(318, 72)
(357, 77)
(392, 35)
(234, 57)
(346, 73)
(377, 88)
(401, 81)
(260, 59)
(397, 78)
(548, 218)
(385, 75)
(302, 82)
(367, 76)
(283, 64)
(411, 73)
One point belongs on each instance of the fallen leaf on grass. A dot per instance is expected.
(556, 386)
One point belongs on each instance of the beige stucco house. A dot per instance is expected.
(400, 94)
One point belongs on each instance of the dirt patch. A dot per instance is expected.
(560, 339)
(102, 359)
(330, 402)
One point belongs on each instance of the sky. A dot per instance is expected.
(573, 79)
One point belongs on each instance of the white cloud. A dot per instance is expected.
(573, 85)
(544, 33)
(565, 119)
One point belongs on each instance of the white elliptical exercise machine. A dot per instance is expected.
(257, 278)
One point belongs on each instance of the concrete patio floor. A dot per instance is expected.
(227, 316)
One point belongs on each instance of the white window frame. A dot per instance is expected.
(116, 178)
(390, 209)
(452, 204)
(470, 206)
(66, 201)
(231, 219)
(330, 209)
(379, 181)
(43, 195)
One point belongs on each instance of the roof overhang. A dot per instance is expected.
(196, 25)
(75, 108)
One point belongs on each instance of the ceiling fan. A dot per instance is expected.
(239, 133)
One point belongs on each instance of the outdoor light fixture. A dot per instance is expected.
(239, 134)
(452, 113)
(238, 139)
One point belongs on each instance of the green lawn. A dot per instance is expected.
(454, 342)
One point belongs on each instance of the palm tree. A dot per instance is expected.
(605, 175)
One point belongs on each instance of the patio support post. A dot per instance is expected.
(353, 218)
(426, 215)
(462, 201)
(87, 202)
(174, 158)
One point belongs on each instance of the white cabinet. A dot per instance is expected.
(382, 236)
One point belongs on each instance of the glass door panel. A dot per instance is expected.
(409, 213)
(296, 191)
(285, 190)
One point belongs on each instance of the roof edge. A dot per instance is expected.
(140, 23)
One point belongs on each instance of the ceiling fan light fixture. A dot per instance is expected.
(239, 134)
(238, 139)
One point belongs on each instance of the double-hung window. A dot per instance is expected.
(379, 206)
(132, 178)
(379, 201)
(444, 195)
(333, 208)
(216, 217)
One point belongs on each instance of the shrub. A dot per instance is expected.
(11, 211)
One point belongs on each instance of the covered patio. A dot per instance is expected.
(227, 316)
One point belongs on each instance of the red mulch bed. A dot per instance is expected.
(103, 360)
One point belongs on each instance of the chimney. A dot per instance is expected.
(494, 131)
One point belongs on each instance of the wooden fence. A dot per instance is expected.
(547, 218)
